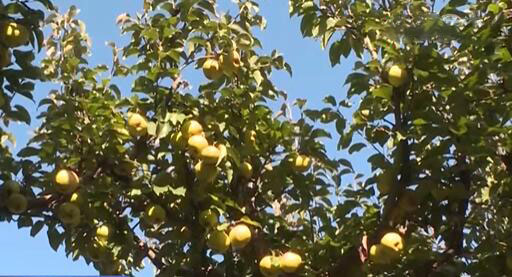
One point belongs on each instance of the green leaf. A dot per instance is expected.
(383, 91)
(55, 238)
(36, 228)
(356, 147)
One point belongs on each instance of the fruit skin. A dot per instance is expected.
(212, 69)
(191, 128)
(392, 240)
(397, 75)
(301, 163)
(66, 180)
(206, 173)
(11, 187)
(210, 154)
(240, 236)
(197, 143)
(17, 203)
(218, 241)
(269, 266)
(290, 262)
(103, 233)
(381, 254)
(5, 57)
(13, 34)
(230, 63)
(137, 125)
(69, 214)
(155, 214)
(246, 170)
(208, 218)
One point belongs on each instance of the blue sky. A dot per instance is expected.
(313, 79)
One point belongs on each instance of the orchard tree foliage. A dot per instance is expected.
(208, 180)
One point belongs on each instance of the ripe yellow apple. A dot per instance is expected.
(69, 214)
(208, 218)
(197, 143)
(269, 266)
(397, 75)
(103, 233)
(240, 235)
(137, 124)
(246, 170)
(191, 128)
(381, 254)
(230, 62)
(210, 154)
(11, 187)
(17, 203)
(96, 251)
(5, 57)
(66, 180)
(13, 34)
(212, 69)
(218, 241)
(155, 214)
(392, 240)
(290, 262)
(206, 172)
(301, 163)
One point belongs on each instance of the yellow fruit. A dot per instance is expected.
(11, 187)
(17, 203)
(290, 262)
(269, 266)
(191, 128)
(397, 75)
(5, 57)
(246, 170)
(137, 124)
(218, 241)
(66, 181)
(206, 173)
(392, 240)
(69, 214)
(13, 34)
(155, 214)
(210, 155)
(197, 143)
(208, 218)
(240, 235)
(230, 63)
(301, 163)
(381, 254)
(103, 233)
(212, 69)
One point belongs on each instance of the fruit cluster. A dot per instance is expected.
(12, 35)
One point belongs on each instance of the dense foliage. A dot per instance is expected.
(213, 182)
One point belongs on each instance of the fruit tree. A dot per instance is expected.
(211, 180)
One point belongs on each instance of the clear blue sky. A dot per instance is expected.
(313, 79)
